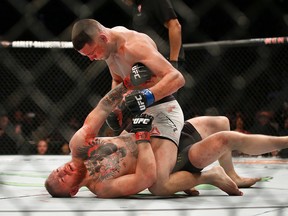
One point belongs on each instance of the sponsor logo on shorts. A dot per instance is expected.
(155, 131)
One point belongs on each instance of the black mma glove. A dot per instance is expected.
(119, 118)
(141, 126)
(138, 101)
(139, 75)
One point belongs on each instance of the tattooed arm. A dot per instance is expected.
(143, 177)
(97, 116)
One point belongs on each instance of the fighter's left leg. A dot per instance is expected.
(168, 184)
(208, 125)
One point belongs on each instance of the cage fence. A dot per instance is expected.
(48, 88)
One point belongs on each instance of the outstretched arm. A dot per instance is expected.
(97, 117)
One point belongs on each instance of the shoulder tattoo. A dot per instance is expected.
(102, 159)
(131, 145)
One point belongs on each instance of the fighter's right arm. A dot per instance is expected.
(98, 115)
(96, 118)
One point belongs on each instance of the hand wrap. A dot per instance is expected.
(141, 126)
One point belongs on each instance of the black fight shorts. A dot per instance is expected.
(189, 136)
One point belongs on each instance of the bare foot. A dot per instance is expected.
(192, 192)
(224, 182)
(244, 182)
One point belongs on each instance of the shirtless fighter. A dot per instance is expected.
(117, 166)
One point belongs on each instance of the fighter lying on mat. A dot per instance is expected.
(117, 166)
(114, 166)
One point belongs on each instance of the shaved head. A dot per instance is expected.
(84, 31)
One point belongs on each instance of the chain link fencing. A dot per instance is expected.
(46, 93)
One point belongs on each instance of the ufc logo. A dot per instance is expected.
(141, 120)
(141, 104)
(136, 72)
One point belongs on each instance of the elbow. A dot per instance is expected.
(180, 80)
(179, 28)
(151, 179)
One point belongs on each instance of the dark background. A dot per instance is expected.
(205, 20)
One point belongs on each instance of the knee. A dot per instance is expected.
(222, 138)
(159, 190)
(224, 122)
(218, 142)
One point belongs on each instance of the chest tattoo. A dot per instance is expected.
(131, 145)
(102, 158)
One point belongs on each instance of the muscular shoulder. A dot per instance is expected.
(120, 28)
(106, 145)
(134, 38)
(137, 45)
(144, 40)
(108, 157)
(80, 138)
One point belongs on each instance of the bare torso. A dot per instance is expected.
(108, 157)
(129, 43)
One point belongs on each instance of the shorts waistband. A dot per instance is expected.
(163, 100)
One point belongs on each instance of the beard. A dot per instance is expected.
(80, 174)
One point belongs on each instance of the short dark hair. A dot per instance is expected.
(51, 190)
(83, 32)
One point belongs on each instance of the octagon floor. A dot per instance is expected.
(22, 193)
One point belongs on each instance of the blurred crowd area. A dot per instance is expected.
(47, 93)
(19, 131)
(18, 135)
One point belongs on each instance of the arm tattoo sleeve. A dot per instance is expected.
(114, 96)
